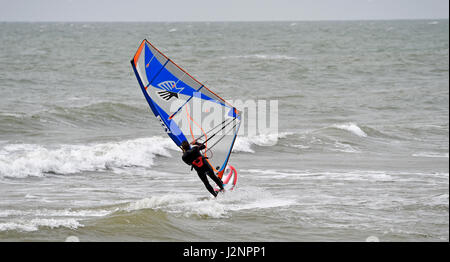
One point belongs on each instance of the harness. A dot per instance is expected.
(198, 162)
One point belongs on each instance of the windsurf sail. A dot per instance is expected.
(186, 108)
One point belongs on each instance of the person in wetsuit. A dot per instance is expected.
(193, 157)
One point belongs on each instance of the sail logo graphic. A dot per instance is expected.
(170, 90)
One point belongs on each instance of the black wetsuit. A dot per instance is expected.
(194, 158)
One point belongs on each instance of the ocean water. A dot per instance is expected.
(361, 151)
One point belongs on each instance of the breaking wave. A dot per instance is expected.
(431, 154)
(33, 219)
(23, 160)
(189, 205)
(35, 224)
(245, 144)
(352, 128)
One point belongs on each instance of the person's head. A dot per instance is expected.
(185, 145)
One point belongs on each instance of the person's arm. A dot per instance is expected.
(200, 146)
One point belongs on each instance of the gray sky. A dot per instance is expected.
(220, 10)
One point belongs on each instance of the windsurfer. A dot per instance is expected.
(193, 157)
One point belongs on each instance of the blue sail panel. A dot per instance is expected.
(158, 73)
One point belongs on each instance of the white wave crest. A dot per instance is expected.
(244, 144)
(189, 205)
(55, 213)
(351, 127)
(184, 204)
(22, 160)
(29, 220)
(341, 147)
(34, 224)
(430, 154)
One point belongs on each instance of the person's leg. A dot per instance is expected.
(216, 179)
(204, 179)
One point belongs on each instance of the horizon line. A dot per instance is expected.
(216, 21)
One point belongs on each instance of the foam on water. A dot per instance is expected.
(351, 127)
(22, 160)
(35, 224)
(341, 147)
(220, 207)
(430, 154)
(244, 144)
(34, 219)
(363, 175)
(184, 204)
(55, 213)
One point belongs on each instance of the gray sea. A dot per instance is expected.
(361, 152)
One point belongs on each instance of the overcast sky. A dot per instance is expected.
(220, 10)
